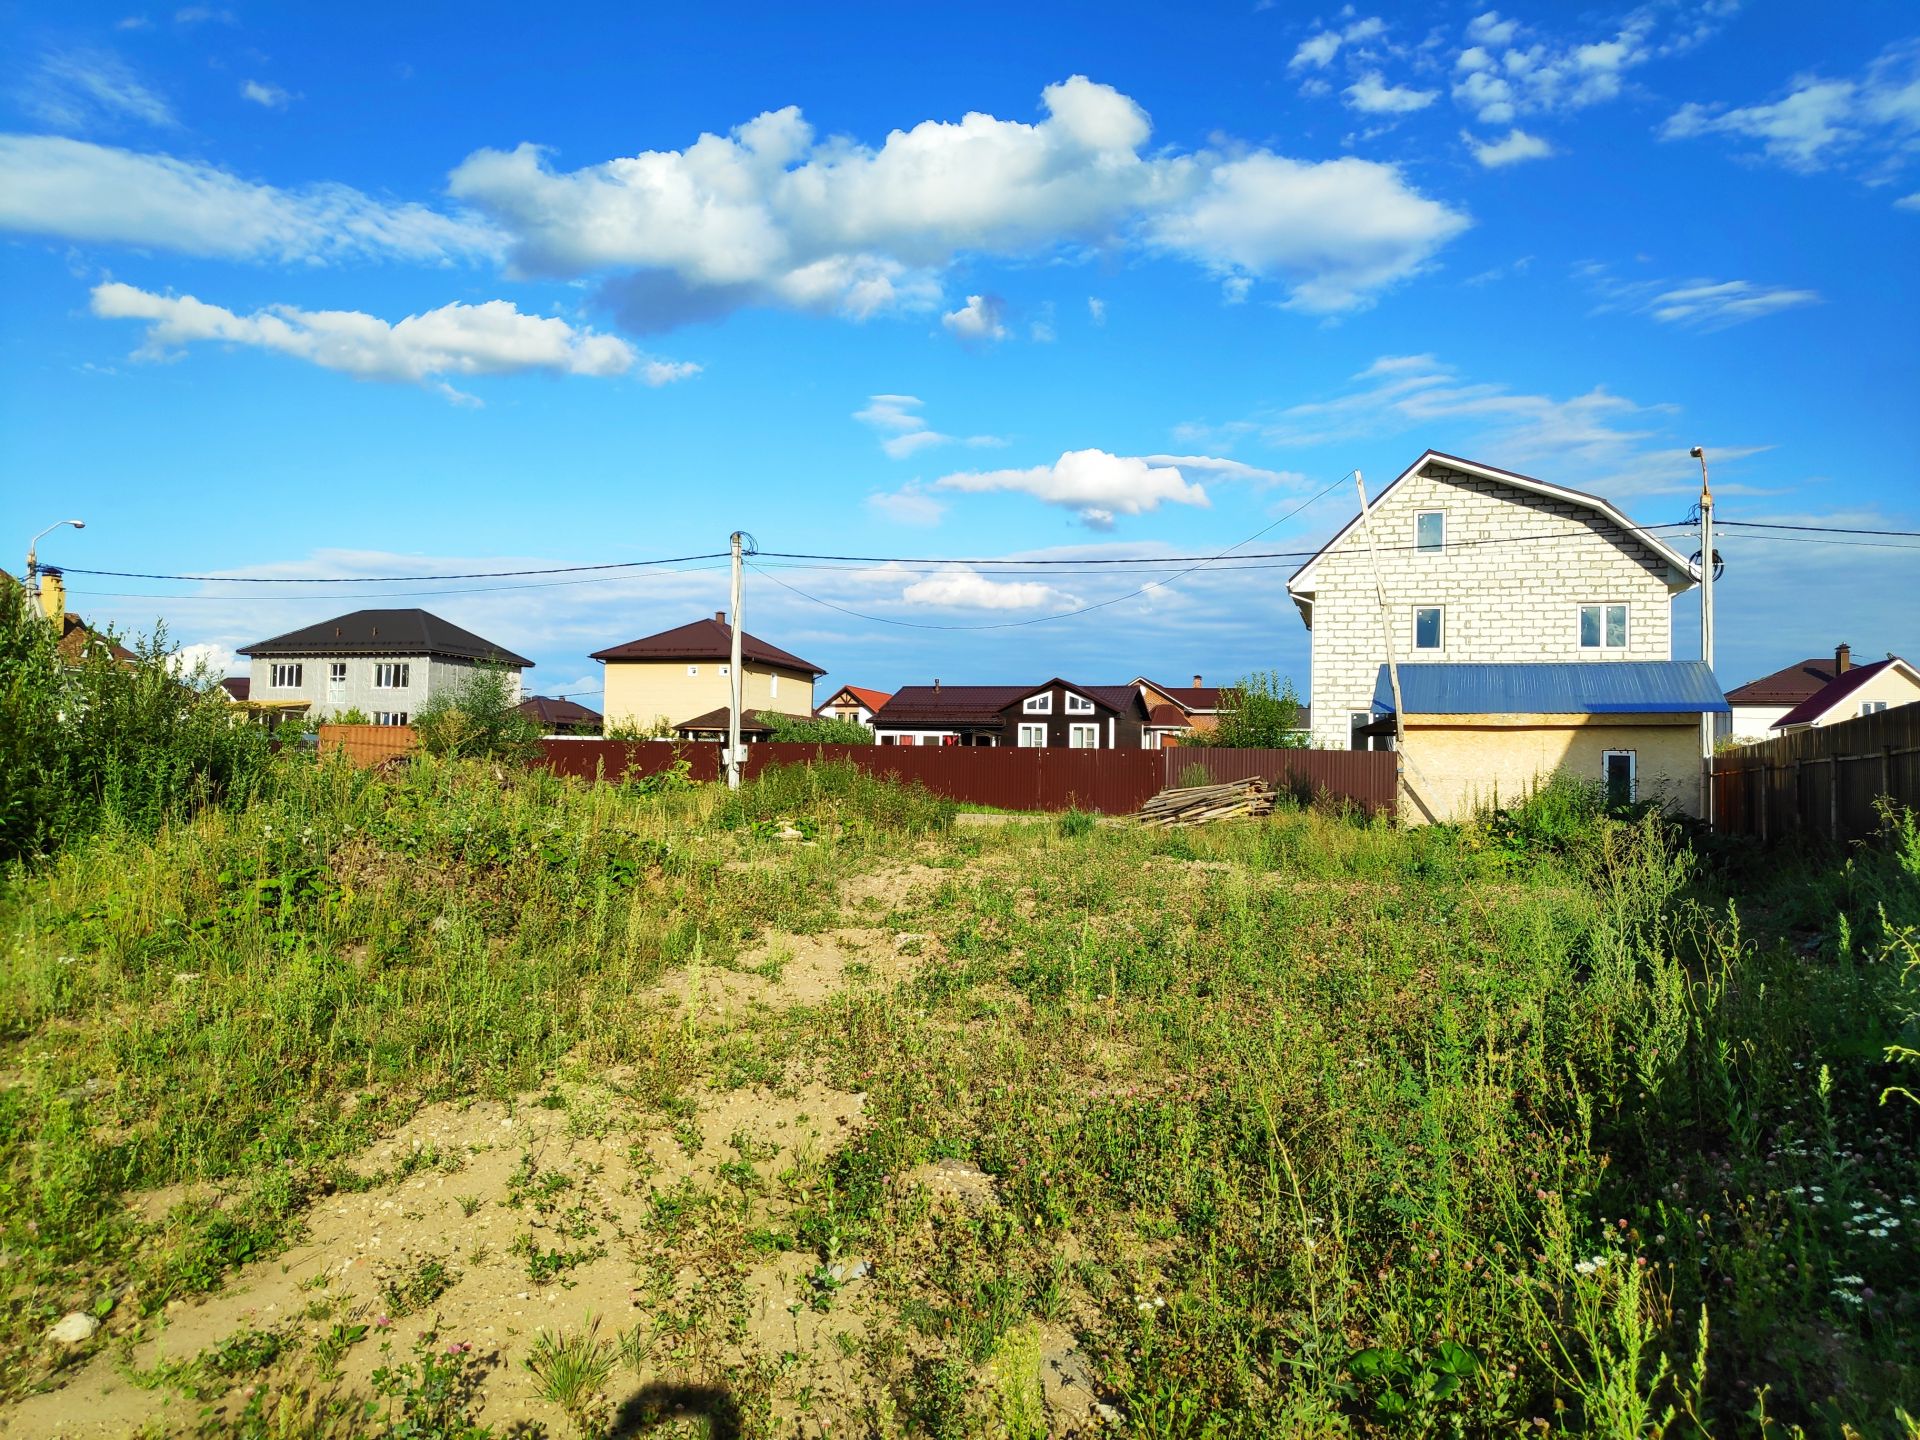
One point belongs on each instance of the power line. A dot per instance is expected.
(385, 579)
(1822, 529)
(390, 594)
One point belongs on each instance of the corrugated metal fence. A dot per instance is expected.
(1109, 782)
(1820, 782)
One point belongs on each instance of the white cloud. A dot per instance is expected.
(1819, 121)
(962, 588)
(92, 89)
(1097, 308)
(770, 214)
(909, 505)
(493, 338)
(1316, 51)
(1714, 305)
(1490, 29)
(1371, 95)
(1498, 80)
(1094, 484)
(1229, 469)
(904, 430)
(219, 660)
(1518, 146)
(263, 93)
(1337, 232)
(86, 192)
(982, 318)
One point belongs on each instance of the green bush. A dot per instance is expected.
(818, 730)
(1262, 712)
(83, 745)
(481, 719)
(837, 791)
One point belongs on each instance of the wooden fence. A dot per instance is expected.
(1108, 782)
(1821, 782)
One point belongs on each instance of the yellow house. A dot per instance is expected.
(1855, 691)
(664, 679)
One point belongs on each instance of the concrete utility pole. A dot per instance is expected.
(1706, 630)
(733, 675)
(1386, 621)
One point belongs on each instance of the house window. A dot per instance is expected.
(1083, 737)
(1033, 737)
(693, 669)
(1426, 627)
(1616, 767)
(773, 686)
(1041, 704)
(1430, 531)
(1079, 705)
(909, 739)
(886, 739)
(389, 717)
(1872, 707)
(286, 677)
(337, 673)
(725, 670)
(1603, 627)
(392, 675)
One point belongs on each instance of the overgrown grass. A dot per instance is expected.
(1299, 1126)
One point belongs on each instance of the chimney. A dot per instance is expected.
(1196, 682)
(936, 684)
(719, 617)
(1842, 659)
(53, 594)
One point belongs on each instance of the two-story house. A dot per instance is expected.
(1532, 628)
(384, 663)
(686, 673)
(1058, 713)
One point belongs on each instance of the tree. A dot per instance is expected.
(482, 718)
(1262, 712)
(820, 730)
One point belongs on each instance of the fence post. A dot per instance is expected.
(1833, 797)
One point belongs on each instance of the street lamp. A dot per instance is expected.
(33, 545)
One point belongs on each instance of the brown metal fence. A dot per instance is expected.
(1821, 782)
(366, 744)
(1109, 782)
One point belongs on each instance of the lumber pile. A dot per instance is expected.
(1197, 804)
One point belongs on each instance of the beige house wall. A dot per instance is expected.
(641, 692)
(1454, 764)
(1516, 600)
(1892, 685)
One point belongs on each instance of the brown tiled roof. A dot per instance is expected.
(706, 640)
(1833, 693)
(872, 699)
(1790, 686)
(386, 632)
(750, 722)
(557, 710)
(1193, 697)
(950, 704)
(1170, 716)
(239, 687)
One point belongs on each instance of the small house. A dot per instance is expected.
(1058, 713)
(687, 672)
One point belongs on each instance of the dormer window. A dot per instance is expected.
(1041, 704)
(1430, 532)
(1079, 705)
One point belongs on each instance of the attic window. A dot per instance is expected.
(1079, 705)
(1041, 704)
(1430, 532)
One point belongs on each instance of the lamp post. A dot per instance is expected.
(33, 548)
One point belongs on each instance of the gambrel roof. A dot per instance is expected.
(1681, 574)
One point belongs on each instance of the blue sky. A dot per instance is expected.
(359, 290)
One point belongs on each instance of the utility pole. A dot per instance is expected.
(1706, 630)
(1386, 622)
(734, 676)
(32, 590)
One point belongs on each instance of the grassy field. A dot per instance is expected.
(462, 1103)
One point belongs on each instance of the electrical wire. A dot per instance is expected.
(386, 579)
(720, 564)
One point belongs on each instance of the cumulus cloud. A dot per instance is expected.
(982, 318)
(1317, 50)
(262, 93)
(1338, 230)
(493, 338)
(90, 90)
(1371, 95)
(1819, 121)
(1095, 485)
(909, 505)
(771, 214)
(903, 430)
(962, 588)
(1499, 79)
(1518, 146)
(86, 192)
(1097, 308)
(205, 656)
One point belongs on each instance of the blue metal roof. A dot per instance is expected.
(1612, 687)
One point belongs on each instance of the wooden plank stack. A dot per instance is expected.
(1197, 804)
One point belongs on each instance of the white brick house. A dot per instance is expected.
(1514, 564)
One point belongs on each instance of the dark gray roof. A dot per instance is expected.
(387, 632)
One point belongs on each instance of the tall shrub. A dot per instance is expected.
(1262, 712)
(481, 718)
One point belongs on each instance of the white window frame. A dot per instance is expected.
(1079, 704)
(389, 717)
(392, 675)
(1032, 737)
(1089, 733)
(773, 687)
(1419, 649)
(337, 672)
(1633, 774)
(1420, 549)
(1872, 707)
(285, 675)
(693, 669)
(1603, 606)
(1041, 704)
